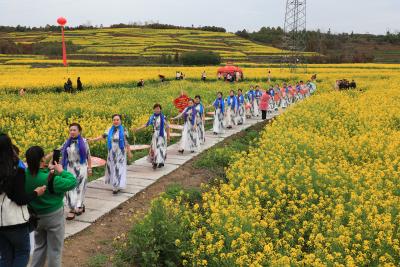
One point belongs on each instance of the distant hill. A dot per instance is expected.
(130, 46)
(337, 48)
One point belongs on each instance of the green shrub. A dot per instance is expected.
(200, 58)
(152, 241)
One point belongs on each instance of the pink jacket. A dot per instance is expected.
(264, 101)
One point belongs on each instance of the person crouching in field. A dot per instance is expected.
(219, 106)
(160, 139)
(140, 83)
(118, 149)
(190, 137)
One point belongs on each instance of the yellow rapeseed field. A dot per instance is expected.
(320, 188)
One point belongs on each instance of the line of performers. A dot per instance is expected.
(234, 110)
(256, 103)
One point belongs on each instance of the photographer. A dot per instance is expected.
(14, 225)
(49, 235)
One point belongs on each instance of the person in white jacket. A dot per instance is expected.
(14, 215)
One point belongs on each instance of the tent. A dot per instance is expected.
(230, 69)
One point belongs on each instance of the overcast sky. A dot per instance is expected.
(361, 16)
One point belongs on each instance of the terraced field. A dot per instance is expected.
(131, 43)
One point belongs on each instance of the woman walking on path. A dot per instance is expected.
(241, 110)
(49, 234)
(76, 159)
(15, 245)
(200, 119)
(264, 103)
(219, 106)
(118, 149)
(252, 100)
(161, 136)
(257, 97)
(231, 108)
(190, 138)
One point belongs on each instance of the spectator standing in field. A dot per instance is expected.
(178, 75)
(228, 77)
(269, 76)
(204, 76)
(238, 76)
(14, 225)
(49, 234)
(219, 76)
(79, 86)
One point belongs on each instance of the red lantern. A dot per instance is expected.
(61, 21)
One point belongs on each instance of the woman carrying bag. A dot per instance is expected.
(14, 221)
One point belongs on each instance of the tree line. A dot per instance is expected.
(332, 47)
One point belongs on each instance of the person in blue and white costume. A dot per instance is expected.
(231, 108)
(251, 98)
(190, 137)
(200, 119)
(257, 97)
(160, 139)
(241, 110)
(118, 149)
(219, 114)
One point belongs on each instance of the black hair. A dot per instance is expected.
(77, 125)
(115, 115)
(197, 96)
(232, 91)
(219, 93)
(240, 90)
(34, 156)
(157, 106)
(16, 149)
(7, 162)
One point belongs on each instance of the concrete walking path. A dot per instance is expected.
(99, 199)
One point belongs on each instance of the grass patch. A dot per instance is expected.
(97, 261)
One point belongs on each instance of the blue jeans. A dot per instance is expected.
(15, 247)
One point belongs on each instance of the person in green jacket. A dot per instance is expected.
(49, 235)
